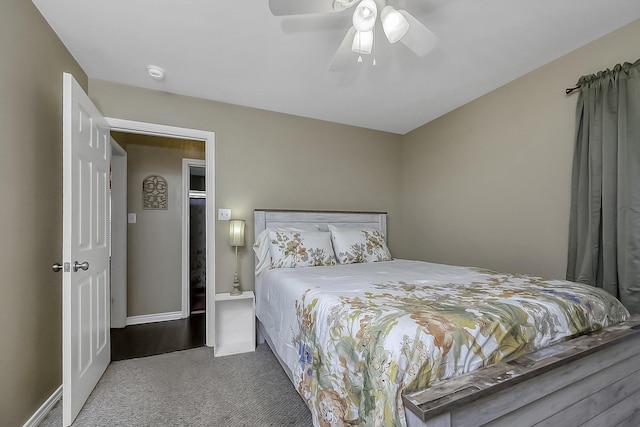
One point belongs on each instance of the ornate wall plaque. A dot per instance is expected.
(154, 192)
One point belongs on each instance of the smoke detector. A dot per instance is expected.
(155, 72)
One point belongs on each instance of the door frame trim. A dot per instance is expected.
(131, 126)
(118, 224)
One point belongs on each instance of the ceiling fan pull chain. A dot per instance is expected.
(359, 46)
(373, 46)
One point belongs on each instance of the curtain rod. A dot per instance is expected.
(571, 89)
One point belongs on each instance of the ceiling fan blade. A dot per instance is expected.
(419, 38)
(344, 55)
(300, 7)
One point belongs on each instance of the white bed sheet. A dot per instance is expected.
(277, 291)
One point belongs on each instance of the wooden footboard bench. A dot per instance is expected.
(590, 380)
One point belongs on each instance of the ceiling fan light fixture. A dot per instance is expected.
(363, 42)
(394, 24)
(340, 5)
(364, 17)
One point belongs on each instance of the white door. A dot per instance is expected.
(85, 252)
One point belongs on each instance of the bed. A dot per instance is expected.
(369, 340)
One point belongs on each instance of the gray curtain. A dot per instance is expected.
(604, 228)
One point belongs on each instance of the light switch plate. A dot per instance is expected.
(224, 214)
(131, 218)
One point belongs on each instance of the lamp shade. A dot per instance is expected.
(236, 232)
(394, 24)
(364, 17)
(363, 42)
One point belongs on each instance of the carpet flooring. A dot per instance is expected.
(192, 388)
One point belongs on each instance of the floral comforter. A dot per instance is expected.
(355, 337)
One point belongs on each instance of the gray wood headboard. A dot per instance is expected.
(267, 218)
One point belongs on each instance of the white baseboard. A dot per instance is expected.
(44, 410)
(151, 318)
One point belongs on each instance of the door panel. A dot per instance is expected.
(86, 343)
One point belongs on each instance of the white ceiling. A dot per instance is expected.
(237, 52)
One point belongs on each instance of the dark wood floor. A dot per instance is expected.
(156, 338)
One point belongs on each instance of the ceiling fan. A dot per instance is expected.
(398, 25)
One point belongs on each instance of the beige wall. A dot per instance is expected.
(154, 242)
(271, 160)
(489, 184)
(31, 66)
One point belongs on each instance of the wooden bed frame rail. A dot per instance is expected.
(591, 380)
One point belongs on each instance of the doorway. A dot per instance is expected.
(194, 236)
(148, 129)
(156, 188)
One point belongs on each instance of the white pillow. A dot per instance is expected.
(353, 245)
(292, 249)
(262, 250)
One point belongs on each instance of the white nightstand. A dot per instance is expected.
(235, 323)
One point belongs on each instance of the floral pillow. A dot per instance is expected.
(354, 245)
(262, 247)
(292, 249)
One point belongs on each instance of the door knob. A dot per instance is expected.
(57, 267)
(77, 266)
